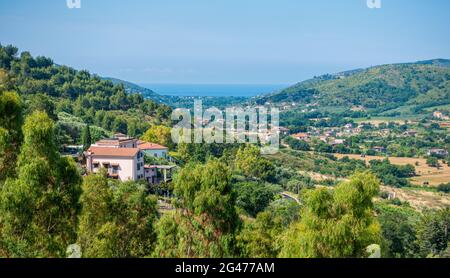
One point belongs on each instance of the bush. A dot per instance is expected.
(254, 197)
(445, 187)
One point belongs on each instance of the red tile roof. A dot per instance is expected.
(151, 146)
(114, 152)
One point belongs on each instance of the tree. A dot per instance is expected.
(250, 162)
(254, 197)
(10, 132)
(41, 102)
(117, 220)
(39, 209)
(398, 230)
(433, 162)
(433, 235)
(206, 222)
(258, 238)
(336, 224)
(86, 138)
(160, 135)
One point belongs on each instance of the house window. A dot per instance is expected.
(139, 166)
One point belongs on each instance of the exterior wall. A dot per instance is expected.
(128, 169)
(156, 153)
(151, 175)
(129, 144)
(139, 166)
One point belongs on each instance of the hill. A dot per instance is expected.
(61, 90)
(379, 89)
(178, 101)
(134, 88)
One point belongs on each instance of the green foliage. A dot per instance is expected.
(254, 197)
(86, 137)
(392, 175)
(250, 162)
(298, 145)
(260, 238)
(10, 132)
(382, 88)
(54, 89)
(336, 224)
(206, 220)
(398, 226)
(117, 220)
(445, 187)
(41, 102)
(433, 235)
(433, 162)
(160, 135)
(38, 210)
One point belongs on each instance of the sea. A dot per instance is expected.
(214, 90)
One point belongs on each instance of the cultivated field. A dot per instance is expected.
(424, 173)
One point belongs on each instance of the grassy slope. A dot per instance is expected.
(382, 88)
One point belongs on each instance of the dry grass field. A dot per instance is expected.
(425, 174)
(420, 199)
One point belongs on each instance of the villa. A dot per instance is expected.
(125, 164)
(123, 159)
(153, 150)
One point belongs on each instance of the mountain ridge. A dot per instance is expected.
(378, 88)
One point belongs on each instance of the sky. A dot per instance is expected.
(226, 41)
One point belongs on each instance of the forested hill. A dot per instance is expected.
(77, 95)
(407, 87)
(179, 101)
(136, 89)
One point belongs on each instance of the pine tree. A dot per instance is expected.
(10, 132)
(86, 137)
(39, 209)
(206, 221)
(336, 224)
(117, 220)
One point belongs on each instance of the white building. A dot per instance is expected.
(124, 164)
(117, 143)
(153, 150)
(438, 152)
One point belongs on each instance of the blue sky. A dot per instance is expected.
(226, 41)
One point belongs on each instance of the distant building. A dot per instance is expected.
(283, 130)
(338, 142)
(411, 133)
(153, 150)
(438, 152)
(125, 164)
(302, 137)
(379, 149)
(348, 126)
(439, 115)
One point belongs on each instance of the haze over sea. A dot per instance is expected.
(214, 90)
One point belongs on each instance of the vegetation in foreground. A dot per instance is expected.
(229, 201)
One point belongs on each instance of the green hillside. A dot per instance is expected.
(61, 90)
(178, 101)
(379, 89)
